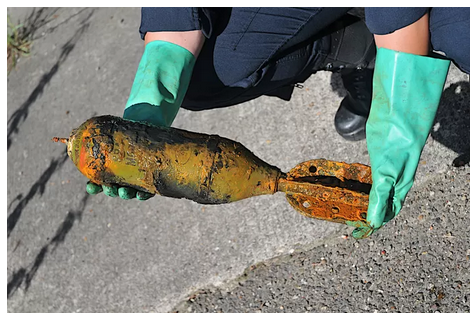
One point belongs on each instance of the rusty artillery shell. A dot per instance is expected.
(171, 162)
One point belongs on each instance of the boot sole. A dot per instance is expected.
(356, 135)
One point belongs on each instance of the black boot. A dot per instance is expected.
(351, 116)
(352, 53)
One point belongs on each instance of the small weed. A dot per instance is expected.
(18, 43)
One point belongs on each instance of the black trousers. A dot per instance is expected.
(265, 51)
(260, 51)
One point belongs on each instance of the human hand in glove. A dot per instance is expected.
(158, 90)
(406, 93)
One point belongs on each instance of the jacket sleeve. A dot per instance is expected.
(382, 21)
(180, 19)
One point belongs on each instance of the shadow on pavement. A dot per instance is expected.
(26, 275)
(38, 18)
(21, 114)
(38, 188)
(452, 121)
(43, 16)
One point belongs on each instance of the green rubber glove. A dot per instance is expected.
(160, 84)
(158, 90)
(406, 93)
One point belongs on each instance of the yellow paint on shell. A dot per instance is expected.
(223, 173)
(129, 164)
(187, 164)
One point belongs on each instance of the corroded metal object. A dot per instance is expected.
(210, 169)
(329, 190)
(170, 162)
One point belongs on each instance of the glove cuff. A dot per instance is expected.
(160, 84)
(420, 78)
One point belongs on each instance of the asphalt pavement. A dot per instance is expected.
(71, 252)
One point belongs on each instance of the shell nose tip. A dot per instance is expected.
(63, 140)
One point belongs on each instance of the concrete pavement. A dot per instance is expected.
(70, 252)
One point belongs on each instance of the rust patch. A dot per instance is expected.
(343, 171)
(328, 190)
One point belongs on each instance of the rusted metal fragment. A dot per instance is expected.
(321, 167)
(328, 190)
